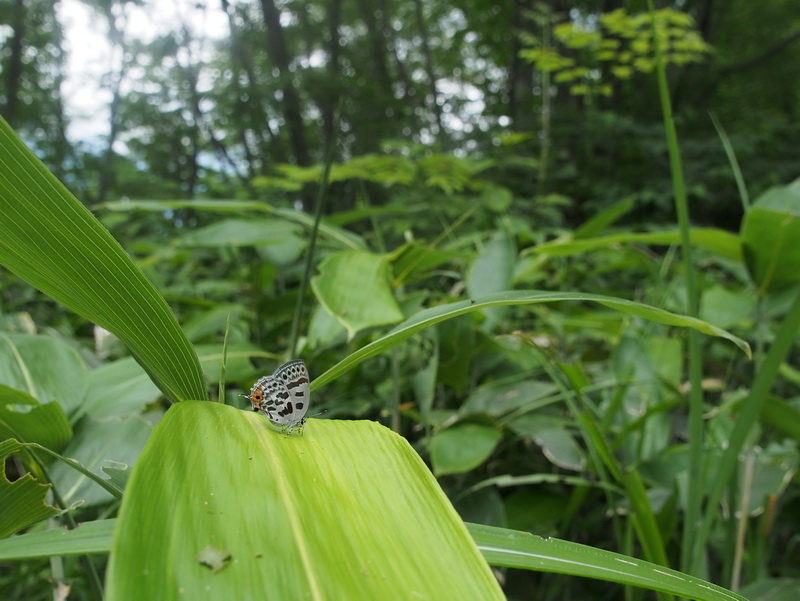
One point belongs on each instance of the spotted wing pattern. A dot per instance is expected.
(283, 397)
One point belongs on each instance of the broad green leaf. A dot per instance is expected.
(770, 231)
(23, 501)
(238, 356)
(335, 234)
(212, 322)
(497, 399)
(499, 546)
(411, 262)
(514, 549)
(49, 239)
(428, 317)
(118, 389)
(727, 308)
(324, 328)
(491, 271)
(496, 198)
(90, 538)
(24, 418)
(717, 241)
(45, 367)
(242, 232)
(556, 441)
(353, 286)
(345, 510)
(462, 447)
(279, 240)
(97, 444)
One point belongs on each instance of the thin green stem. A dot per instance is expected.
(321, 197)
(747, 418)
(91, 572)
(696, 434)
(221, 393)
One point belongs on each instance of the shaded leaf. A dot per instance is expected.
(91, 538)
(45, 367)
(462, 447)
(718, 241)
(336, 234)
(770, 230)
(353, 286)
(24, 418)
(23, 501)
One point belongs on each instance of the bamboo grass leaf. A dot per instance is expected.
(91, 538)
(433, 315)
(345, 510)
(515, 549)
(49, 239)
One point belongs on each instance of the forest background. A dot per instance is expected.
(475, 148)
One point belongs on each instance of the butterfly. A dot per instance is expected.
(283, 397)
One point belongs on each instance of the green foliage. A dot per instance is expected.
(329, 501)
(770, 230)
(497, 277)
(614, 47)
(84, 268)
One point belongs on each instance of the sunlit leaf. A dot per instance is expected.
(345, 510)
(49, 239)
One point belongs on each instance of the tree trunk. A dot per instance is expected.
(520, 74)
(116, 38)
(292, 110)
(265, 146)
(430, 72)
(329, 101)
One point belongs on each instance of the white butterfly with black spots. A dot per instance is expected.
(283, 397)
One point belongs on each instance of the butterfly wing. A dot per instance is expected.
(269, 396)
(294, 376)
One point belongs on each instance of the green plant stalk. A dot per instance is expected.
(321, 196)
(642, 516)
(695, 493)
(741, 525)
(92, 576)
(748, 415)
(221, 394)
